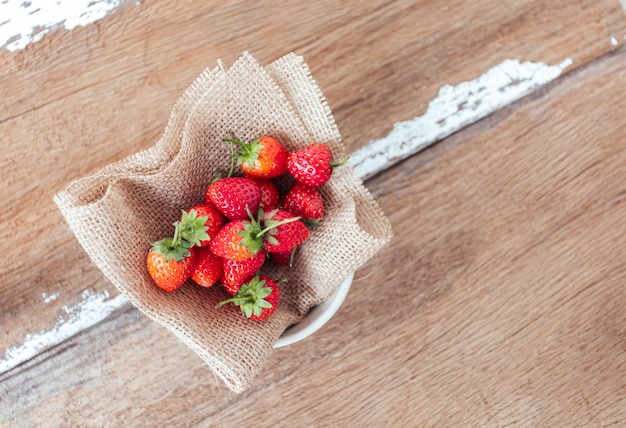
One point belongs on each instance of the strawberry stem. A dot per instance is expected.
(176, 238)
(275, 224)
(232, 300)
(338, 164)
(293, 255)
(232, 140)
(172, 248)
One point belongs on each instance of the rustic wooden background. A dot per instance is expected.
(501, 300)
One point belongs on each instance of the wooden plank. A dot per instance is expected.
(80, 99)
(500, 301)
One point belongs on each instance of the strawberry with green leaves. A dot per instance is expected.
(170, 261)
(312, 165)
(305, 202)
(207, 269)
(283, 236)
(201, 215)
(243, 239)
(233, 196)
(238, 240)
(264, 157)
(235, 273)
(257, 299)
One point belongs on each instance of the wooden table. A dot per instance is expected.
(501, 300)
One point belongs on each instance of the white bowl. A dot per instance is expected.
(317, 316)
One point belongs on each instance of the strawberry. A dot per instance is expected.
(238, 272)
(170, 261)
(170, 274)
(312, 165)
(194, 227)
(232, 196)
(283, 235)
(237, 240)
(305, 202)
(243, 239)
(207, 268)
(284, 258)
(270, 197)
(258, 299)
(213, 223)
(264, 157)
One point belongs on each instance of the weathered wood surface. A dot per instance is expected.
(512, 265)
(500, 302)
(80, 99)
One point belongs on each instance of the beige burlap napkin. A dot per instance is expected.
(116, 212)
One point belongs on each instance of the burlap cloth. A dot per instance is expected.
(116, 212)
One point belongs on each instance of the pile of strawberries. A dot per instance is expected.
(244, 222)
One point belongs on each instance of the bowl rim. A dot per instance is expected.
(317, 316)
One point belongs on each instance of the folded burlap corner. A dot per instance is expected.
(116, 212)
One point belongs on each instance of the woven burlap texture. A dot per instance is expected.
(116, 212)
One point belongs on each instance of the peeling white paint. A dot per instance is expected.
(91, 310)
(23, 22)
(47, 298)
(452, 109)
(614, 41)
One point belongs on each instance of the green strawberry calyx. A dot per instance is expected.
(257, 231)
(248, 153)
(192, 228)
(251, 297)
(217, 174)
(173, 248)
(251, 236)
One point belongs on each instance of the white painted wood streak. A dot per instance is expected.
(47, 298)
(452, 109)
(94, 308)
(23, 22)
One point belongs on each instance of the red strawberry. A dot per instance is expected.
(207, 269)
(270, 197)
(243, 239)
(283, 258)
(238, 272)
(283, 232)
(205, 215)
(312, 165)
(170, 261)
(232, 196)
(238, 240)
(305, 202)
(264, 157)
(258, 299)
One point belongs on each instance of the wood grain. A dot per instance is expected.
(500, 302)
(78, 100)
